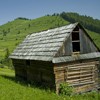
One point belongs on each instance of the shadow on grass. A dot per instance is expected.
(14, 79)
(26, 83)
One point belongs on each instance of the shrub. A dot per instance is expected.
(65, 89)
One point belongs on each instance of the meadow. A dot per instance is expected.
(13, 89)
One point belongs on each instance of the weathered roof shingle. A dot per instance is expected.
(44, 45)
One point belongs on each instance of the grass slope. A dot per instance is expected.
(11, 89)
(95, 37)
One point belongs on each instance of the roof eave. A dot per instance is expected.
(88, 56)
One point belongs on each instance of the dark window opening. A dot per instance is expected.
(75, 36)
(76, 46)
(28, 62)
(76, 40)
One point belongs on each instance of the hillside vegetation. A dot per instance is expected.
(12, 89)
(12, 33)
(87, 21)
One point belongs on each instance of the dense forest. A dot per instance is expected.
(87, 21)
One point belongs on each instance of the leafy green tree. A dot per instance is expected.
(6, 53)
(4, 33)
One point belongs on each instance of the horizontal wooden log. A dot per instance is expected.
(56, 69)
(79, 79)
(84, 83)
(80, 72)
(40, 70)
(80, 76)
(72, 69)
(82, 67)
(81, 82)
(85, 88)
(77, 69)
(58, 81)
(59, 75)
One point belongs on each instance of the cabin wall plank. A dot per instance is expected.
(80, 75)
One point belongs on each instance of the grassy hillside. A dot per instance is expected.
(12, 33)
(11, 89)
(96, 37)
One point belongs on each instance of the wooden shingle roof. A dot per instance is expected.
(43, 45)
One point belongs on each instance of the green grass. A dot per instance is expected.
(11, 89)
(95, 37)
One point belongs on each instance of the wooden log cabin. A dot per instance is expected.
(64, 54)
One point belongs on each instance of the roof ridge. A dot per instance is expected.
(35, 45)
(55, 28)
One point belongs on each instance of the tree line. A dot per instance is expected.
(87, 21)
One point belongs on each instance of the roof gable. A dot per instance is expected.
(43, 45)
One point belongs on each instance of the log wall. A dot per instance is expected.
(83, 76)
(99, 74)
(20, 68)
(41, 72)
(35, 71)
